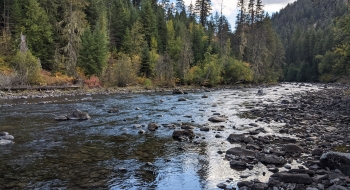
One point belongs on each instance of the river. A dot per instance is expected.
(107, 152)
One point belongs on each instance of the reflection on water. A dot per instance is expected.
(107, 152)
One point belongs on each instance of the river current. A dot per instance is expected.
(107, 152)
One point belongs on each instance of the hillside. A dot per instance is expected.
(310, 32)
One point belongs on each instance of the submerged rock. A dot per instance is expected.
(76, 115)
(183, 133)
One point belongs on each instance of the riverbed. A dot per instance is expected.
(107, 152)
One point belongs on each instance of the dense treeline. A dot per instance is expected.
(123, 42)
(315, 35)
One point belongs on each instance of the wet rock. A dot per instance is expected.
(142, 131)
(270, 159)
(241, 152)
(240, 164)
(337, 187)
(152, 126)
(7, 137)
(293, 178)
(205, 96)
(317, 152)
(221, 185)
(177, 91)
(259, 186)
(336, 160)
(218, 136)
(204, 129)
(285, 102)
(217, 119)
(177, 134)
(187, 127)
(236, 137)
(113, 110)
(5, 142)
(292, 148)
(61, 118)
(78, 115)
(260, 92)
(182, 99)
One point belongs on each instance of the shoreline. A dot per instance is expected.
(33, 94)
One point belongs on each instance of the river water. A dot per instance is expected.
(106, 152)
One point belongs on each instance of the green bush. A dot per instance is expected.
(27, 67)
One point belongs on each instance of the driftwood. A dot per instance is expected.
(64, 87)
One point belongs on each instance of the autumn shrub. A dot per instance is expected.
(148, 83)
(27, 67)
(57, 78)
(93, 82)
(121, 70)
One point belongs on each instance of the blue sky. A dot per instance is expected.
(230, 7)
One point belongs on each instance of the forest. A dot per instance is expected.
(164, 43)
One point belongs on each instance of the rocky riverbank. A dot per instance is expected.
(319, 121)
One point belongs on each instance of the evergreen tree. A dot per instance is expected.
(38, 30)
(203, 8)
(148, 20)
(145, 69)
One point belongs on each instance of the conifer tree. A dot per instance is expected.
(203, 8)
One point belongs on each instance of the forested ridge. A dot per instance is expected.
(163, 43)
(315, 35)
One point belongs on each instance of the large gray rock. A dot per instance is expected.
(238, 151)
(177, 91)
(292, 148)
(293, 178)
(78, 115)
(270, 159)
(183, 133)
(217, 119)
(236, 137)
(5, 142)
(336, 160)
(152, 126)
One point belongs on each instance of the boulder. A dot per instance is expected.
(270, 159)
(182, 99)
(7, 137)
(5, 142)
(293, 178)
(260, 93)
(217, 119)
(61, 118)
(317, 152)
(78, 115)
(177, 91)
(187, 127)
(236, 137)
(177, 134)
(152, 126)
(336, 160)
(238, 164)
(241, 152)
(292, 148)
